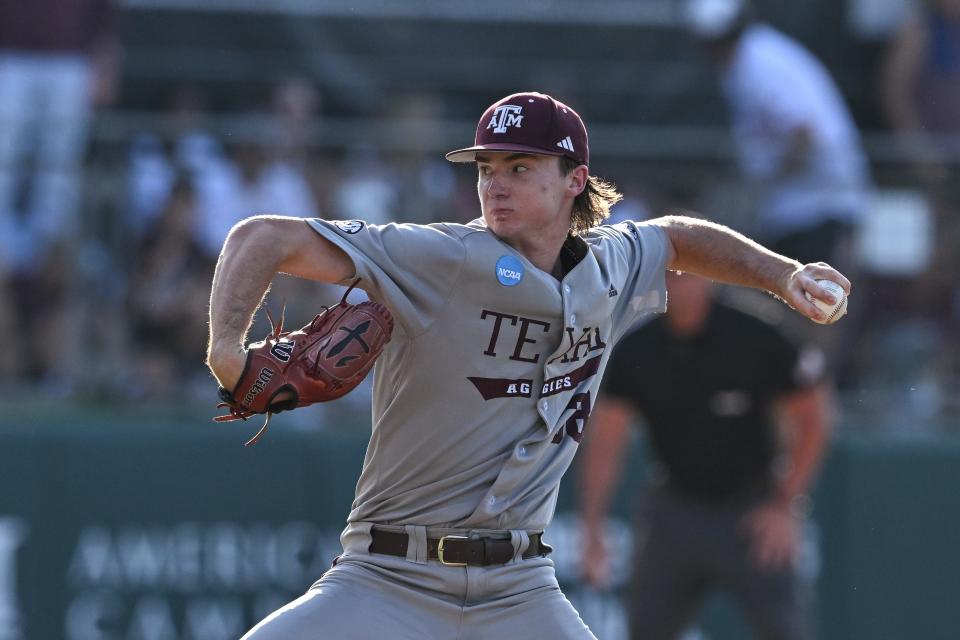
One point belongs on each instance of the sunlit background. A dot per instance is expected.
(134, 134)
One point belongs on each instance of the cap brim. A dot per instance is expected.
(470, 153)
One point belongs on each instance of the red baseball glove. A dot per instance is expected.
(320, 362)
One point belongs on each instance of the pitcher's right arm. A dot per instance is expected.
(255, 250)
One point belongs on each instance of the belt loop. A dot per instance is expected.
(520, 540)
(416, 544)
(356, 537)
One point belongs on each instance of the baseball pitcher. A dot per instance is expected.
(492, 339)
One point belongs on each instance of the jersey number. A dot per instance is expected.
(580, 403)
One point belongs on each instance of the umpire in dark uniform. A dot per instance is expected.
(738, 418)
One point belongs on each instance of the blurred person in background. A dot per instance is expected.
(283, 171)
(181, 147)
(58, 62)
(294, 120)
(795, 138)
(735, 450)
(920, 88)
(368, 187)
(796, 142)
(251, 179)
(260, 168)
(920, 94)
(429, 183)
(166, 302)
(186, 188)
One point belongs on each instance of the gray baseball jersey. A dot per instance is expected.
(479, 403)
(481, 396)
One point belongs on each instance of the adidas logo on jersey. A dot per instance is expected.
(566, 143)
(612, 293)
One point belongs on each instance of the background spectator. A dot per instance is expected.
(58, 61)
(166, 309)
(367, 188)
(180, 147)
(920, 87)
(920, 91)
(796, 142)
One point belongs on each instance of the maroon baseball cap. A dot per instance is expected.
(529, 123)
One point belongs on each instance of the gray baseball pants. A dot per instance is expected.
(368, 596)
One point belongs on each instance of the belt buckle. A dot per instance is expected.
(440, 546)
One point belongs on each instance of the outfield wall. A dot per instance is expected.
(170, 534)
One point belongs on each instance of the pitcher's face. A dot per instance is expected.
(523, 196)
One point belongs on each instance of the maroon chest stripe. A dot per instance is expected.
(491, 388)
(553, 386)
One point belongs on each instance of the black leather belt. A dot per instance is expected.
(458, 551)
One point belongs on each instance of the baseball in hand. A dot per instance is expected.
(835, 311)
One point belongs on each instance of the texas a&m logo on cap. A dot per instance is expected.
(528, 122)
(506, 115)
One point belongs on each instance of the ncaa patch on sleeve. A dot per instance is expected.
(509, 271)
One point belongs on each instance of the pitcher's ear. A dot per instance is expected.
(577, 179)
